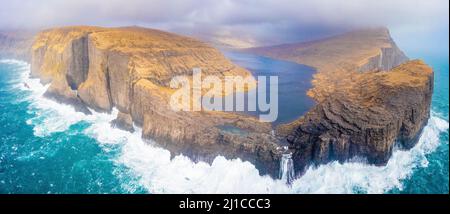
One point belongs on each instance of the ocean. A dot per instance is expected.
(47, 147)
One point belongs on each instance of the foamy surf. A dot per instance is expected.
(155, 171)
(351, 177)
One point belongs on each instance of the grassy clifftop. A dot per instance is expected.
(130, 69)
(153, 54)
(370, 98)
(339, 58)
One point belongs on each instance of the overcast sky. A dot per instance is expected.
(414, 24)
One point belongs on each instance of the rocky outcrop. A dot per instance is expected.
(204, 135)
(338, 58)
(123, 121)
(130, 69)
(370, 99)
(387, 109)
(387, 59)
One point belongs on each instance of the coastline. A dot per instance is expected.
(88, 68)
(399, 167)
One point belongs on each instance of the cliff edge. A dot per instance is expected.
(370, 98)
(130, 69)
(383, 110)
(337, 58)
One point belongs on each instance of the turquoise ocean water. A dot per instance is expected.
(46, 147)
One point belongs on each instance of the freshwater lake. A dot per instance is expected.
(46, 147)
(294, 80)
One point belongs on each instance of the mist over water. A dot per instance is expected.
(47, 147)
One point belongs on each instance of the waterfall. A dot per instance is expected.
(287, 173)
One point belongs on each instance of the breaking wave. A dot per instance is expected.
(158, 173)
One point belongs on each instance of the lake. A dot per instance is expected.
(294, 80)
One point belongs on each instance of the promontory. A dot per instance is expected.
(369, 96)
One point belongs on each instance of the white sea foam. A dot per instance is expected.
(50, 116)
(160, 174)
(156, 172)
(345, 178)
(13, 61)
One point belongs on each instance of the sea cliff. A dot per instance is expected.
(339, 57)
(370, 97)
(130, 69)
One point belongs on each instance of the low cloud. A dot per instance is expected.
(260, 21)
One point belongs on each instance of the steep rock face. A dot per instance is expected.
(387, 108)
(362, 110)
(338, 58)
(130, 69)
(369, 96)
(120, 80)
(79, 64)
(56, 61)
(387, 59)
(95, 91)
(123, 121)
(102, 64)
(202, 135)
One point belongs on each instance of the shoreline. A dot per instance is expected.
(299, 183)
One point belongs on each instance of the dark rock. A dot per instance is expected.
(78, 105)
(123, 121)
(359, 114)
(392, 108)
